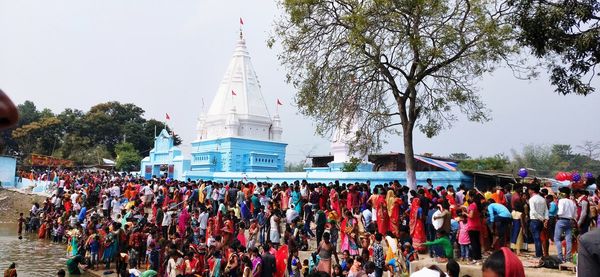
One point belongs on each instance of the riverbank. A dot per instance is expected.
(13, 202)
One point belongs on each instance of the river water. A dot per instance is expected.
(34, 257)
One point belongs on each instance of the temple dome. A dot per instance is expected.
(248, 102)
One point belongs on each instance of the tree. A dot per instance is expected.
(392, 65)
(537, 157)
(459, 156)
(127, 157)
(106, 123)
(590, 149)
(352, 165)
(567, 35)
(42, 136)
(150, 127)
(497, 162)
(28, 113)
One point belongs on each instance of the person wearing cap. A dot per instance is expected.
(567, 212)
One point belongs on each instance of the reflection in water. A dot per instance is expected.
(33, 257)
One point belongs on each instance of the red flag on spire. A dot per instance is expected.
(279, 102)
(168, 117)
(233, 93)
(241, 21)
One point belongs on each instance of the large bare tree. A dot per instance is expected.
(392, 65)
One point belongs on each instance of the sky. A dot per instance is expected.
(169, 57)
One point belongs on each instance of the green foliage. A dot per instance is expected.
(567, 35)
(498, 162)
(296, 167)
(388, 66)
(28, 113)
(352, 165)
(128, 158)
(459, 156)
(41, 137)
(84, 137)
(547, 160)
(542, 161)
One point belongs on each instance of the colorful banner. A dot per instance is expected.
(48, 161)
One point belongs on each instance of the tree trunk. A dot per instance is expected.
(409, 157)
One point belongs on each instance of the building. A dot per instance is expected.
(239, 139)
(236, 134)
(164, 158)
(8, 169)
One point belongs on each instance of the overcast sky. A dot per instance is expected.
(167, 56)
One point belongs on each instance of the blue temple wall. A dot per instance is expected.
(441, 178)
(237, 155)
(8, 171)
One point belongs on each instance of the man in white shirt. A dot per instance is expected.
(147, 194)
(567, 212)
(116, 207)
(74, 197)
(203, 222)
(291, 214)
(115, 191)
(538, 215)
(168, 217)
(367, 217)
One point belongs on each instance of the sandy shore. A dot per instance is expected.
(13, 202)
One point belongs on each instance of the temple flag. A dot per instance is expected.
(167, 116)
(279, 102)
(241, 21)
(233, 93)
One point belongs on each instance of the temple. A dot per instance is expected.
(237, 138)
(236, 134)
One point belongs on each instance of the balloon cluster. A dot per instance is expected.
(572, 176)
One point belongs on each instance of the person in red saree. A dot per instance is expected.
(285, 199)
(323, 197)
(382, 213)
(395, 216)
(210, 227)
(182, 221)
(417, 229)
(227, 231)
(503, 263)
(334, 200)
(281, 258)
(348, 234)
(42, 231)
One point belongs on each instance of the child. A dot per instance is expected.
(463, 238)
(337, 271)
(94, 248)
(447, 251)
(344, 261)
(296, 267)
(305, 268)
(21, 221)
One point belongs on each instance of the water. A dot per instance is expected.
(34, 257)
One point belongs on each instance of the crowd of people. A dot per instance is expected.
(164, 227)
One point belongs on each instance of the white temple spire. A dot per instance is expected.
(251, 111)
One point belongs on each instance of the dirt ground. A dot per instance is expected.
(13, 202)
